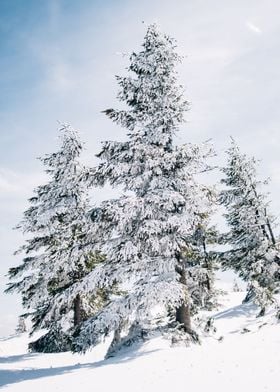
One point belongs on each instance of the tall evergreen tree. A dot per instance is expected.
(55, 252)
(254, 252)
(144, 231)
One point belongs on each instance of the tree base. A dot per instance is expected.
(261, 313)
(250, 296)
(136, 334)
(54, 341)
(179, 335)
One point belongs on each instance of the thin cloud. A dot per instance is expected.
(16, 183)
(252, 27)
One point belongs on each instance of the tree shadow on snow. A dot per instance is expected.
(247, 310)
(13, 376)
(18, 358)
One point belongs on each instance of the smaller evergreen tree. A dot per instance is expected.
(254, 252)
(58, 251)
(21, 326)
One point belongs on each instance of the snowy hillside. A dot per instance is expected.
(247, 358)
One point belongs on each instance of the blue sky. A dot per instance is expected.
(58, 61)
(41, 43)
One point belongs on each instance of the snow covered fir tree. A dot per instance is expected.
(145, 232)
(254, 250)
(58, 251)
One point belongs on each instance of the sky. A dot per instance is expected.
(58, 61)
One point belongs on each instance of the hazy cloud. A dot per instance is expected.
(251, 26)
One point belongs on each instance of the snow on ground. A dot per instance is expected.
(246, 359)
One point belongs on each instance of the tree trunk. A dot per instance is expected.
(183, 316)
(77, 310)
(209, 269)
(270, 230)
(249, 296)
(183, 312)
(271, 237)
(115, 344)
